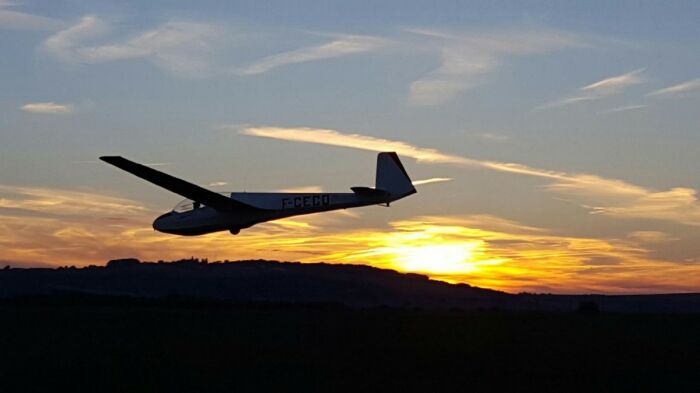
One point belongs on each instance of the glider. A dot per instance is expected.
(206, 211)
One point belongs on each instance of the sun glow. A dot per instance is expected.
(429, 249)
(441, 258)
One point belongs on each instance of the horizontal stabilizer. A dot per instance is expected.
(178, 186)
(368, 191)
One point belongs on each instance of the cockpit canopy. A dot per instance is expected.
(189, 205)
(185, 206)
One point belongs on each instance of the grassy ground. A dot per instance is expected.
(152, 346)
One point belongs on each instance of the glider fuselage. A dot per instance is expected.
(269, 206)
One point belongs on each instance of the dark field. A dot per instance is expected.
(183, 346)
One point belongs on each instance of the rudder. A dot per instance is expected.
(392, 177)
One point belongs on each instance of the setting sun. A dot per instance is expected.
(442, 251)
(439, 259)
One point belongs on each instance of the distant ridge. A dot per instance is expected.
(249, 281)
(266, 281)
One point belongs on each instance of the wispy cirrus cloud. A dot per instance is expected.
(625, 108)
(182, 48)
(153, 163)
(17, 20)
(677, 204)
(678, 90)
(601, 195)
(600, 89)
(466, 58)
(357, 141)
(615, 84)
(431, 180)
(50, 108)
(492, 137)
(343, 45)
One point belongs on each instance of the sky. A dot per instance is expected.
(554, 144)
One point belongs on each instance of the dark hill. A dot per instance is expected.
(290, 282)
(249, 281)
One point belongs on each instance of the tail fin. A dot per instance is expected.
(392, 177)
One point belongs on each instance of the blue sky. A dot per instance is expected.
(575, 118)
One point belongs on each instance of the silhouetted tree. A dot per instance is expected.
(125, 262)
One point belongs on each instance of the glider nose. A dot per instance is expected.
(160, 223)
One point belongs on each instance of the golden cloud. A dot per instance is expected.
(480, 250)
(65, 202)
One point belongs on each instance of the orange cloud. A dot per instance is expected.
(65, 202)
(516, 258)
(480, 250)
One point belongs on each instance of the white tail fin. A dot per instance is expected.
(392, 177)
